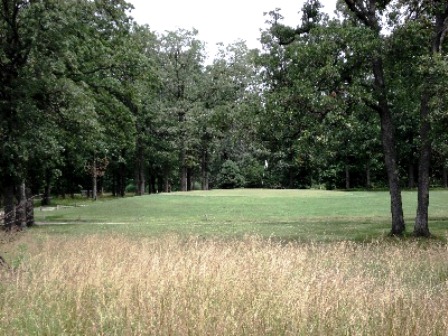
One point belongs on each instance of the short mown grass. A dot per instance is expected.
(285, 214)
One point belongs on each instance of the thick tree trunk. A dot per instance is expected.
(368, 176)
(421, 227)
(366, 13)
(390, 156)
(398, 225)
(140, 180)
(166, 180)
(167, 184)
(21, 207)
(205, 182)
(94, 186)
(10, 206)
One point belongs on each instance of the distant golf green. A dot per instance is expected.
(284, 214)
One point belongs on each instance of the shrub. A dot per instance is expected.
(230, 176)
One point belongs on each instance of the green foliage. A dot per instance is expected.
(253, 171)
(230, 176)
(62, 82)
(81, 79)
(130, 188)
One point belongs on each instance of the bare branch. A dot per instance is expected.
(359, 10)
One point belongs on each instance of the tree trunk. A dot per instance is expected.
(61, 190)
(167, 184)
(183, 152)
(347, 177)
(205, 182)
(204, 170)
(445, 176)
(46, 198)
(368, 176)
(122, 180)
(151, 178)
(29, 208)
(140, 178)
(421, 227)
(190, 179)
(114, 184)
(183, 171)
(411, 182)
(21, 207)
(101, 186)
(94, 173)
(160, 187)
(390, 156)
(166, 180)
(153, 184)
(291, 177)
(367, 14)
(94, 186)
(10, 206)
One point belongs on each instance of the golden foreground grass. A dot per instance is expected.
(117, 285)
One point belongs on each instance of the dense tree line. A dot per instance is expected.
(376, 68)
(90, 101)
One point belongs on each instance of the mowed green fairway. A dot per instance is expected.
(284, 214)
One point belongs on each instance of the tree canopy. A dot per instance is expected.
(91, 100)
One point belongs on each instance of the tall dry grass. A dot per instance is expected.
(113, 285)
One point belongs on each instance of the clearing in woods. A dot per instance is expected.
(285, 214)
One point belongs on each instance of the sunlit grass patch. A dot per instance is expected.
(306, 214)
